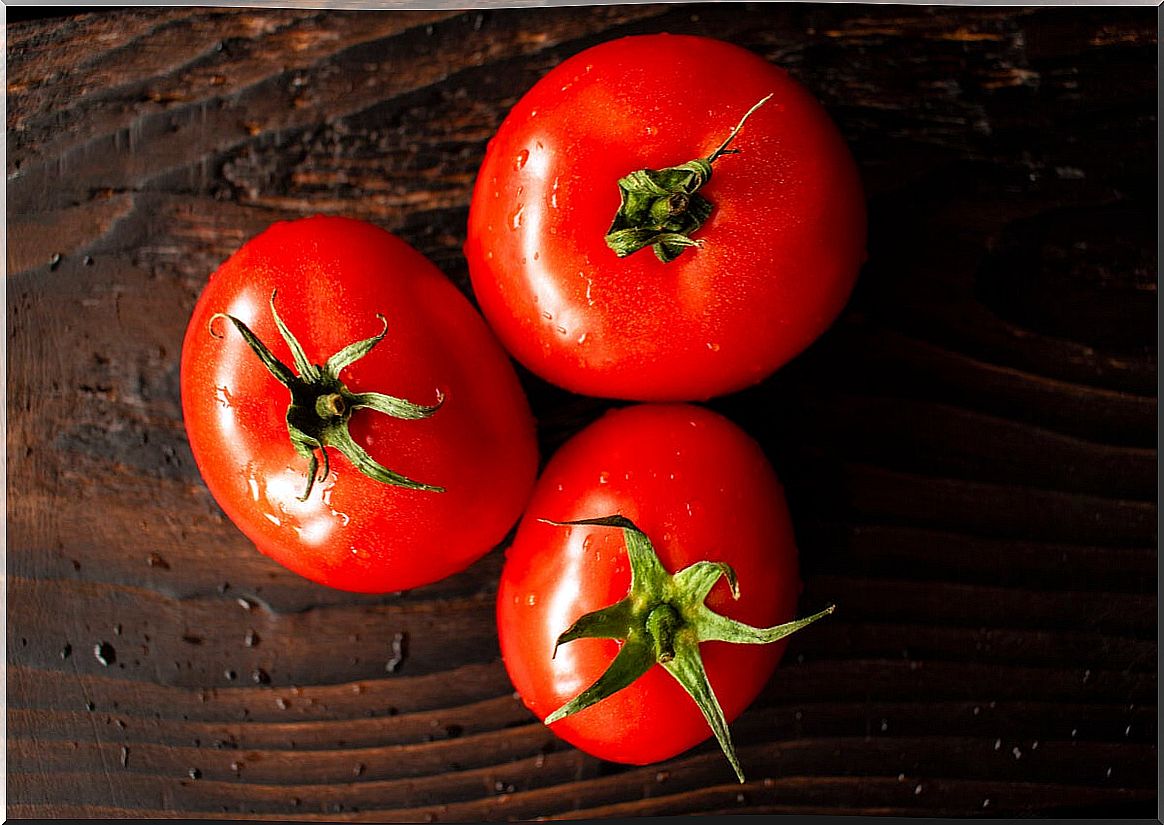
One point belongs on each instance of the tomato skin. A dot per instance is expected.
(354, 533)
(782, 247)
(701, 489)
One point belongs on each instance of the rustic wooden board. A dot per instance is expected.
(970, 453)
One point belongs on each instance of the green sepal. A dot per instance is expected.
(306, 446)
(321, 406)
(666, 245)
(699, 578)
(660, 208)
(634, 659)
(663, 619)
(395, 407)
(717, 628)
(282, 374)
(647, 572)
(687, 669)
(307, 370)
(342, 440)
(607, 623)
(356, 350)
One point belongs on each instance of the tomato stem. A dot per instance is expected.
(330, 405)
(662, 620)
(321, 406)
(723, 147)
(660, 208)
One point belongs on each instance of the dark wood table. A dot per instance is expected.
(970, 453)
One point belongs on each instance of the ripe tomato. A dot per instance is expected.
(421, 440)
(778, 253)
(700, 491)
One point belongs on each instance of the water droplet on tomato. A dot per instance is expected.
(589, 287)
(560, 329)
(604, 477)
(714, 347)
(582, 338)
(520, 160)
(531, 599)
(515, 218)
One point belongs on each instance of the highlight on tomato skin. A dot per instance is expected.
(620, 249)
(710, 508)
(350, 411)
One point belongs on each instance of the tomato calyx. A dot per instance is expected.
(661, 208)
(662, 620)
(321, 406)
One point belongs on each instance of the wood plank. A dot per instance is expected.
(969, 453)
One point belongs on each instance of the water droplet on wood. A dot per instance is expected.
(105, 653)
(399, 653)
(155, 560)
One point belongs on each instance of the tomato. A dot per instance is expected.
(777, 254)
(704, 498)
(398, 462)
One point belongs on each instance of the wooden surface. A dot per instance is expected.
(970, 453)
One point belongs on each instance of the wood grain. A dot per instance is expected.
(969, 454)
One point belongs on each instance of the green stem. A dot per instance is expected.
(662, 622)
(330, 406)
(723, 147)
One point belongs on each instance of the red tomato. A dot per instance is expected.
(779, 253)
(334, 278)
(701, 490)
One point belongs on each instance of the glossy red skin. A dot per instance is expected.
(333, 275)
(701, 489)
(782, 248)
